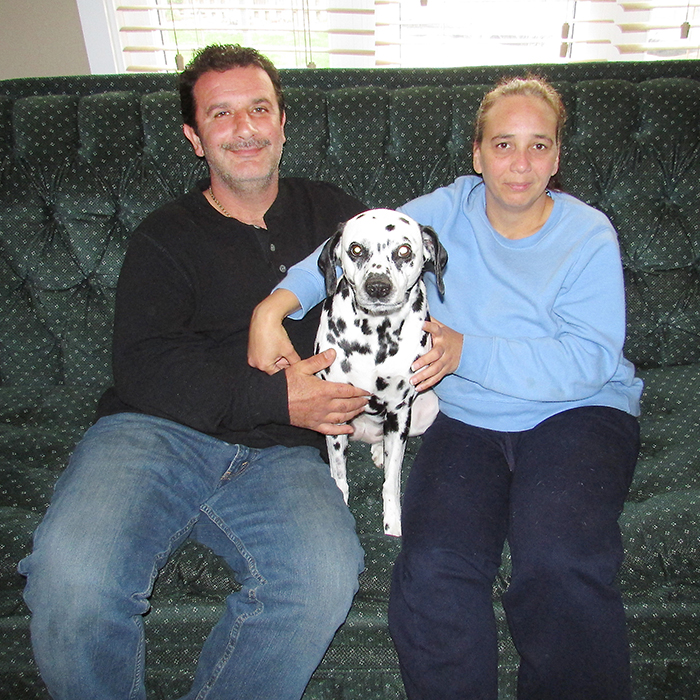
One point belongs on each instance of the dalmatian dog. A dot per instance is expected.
(373, 317)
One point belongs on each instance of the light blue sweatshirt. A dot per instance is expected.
(543, 317)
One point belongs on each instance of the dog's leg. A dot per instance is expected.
(394, 448)
(337, 458)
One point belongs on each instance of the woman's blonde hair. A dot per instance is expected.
(531, 85)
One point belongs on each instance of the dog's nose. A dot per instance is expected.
(378, 287)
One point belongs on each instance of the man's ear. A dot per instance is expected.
(191, 136)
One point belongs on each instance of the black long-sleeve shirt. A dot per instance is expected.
(190, 281)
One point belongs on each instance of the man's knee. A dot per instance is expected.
(331, 571)
(70, 573)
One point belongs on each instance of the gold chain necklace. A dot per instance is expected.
(219, 204)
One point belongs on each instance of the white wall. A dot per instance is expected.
(41, 38)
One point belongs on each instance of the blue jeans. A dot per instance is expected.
(135, 489)
(555, 493)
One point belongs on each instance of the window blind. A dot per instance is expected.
(618, 30)
(161, 35)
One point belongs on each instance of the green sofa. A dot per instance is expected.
(84, 159)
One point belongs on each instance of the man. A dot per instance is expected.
(192, 442)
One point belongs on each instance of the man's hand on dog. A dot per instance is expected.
(442, 359)
(323, 406)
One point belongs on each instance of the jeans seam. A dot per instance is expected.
(242, 550)
(252, 597)
(139, 662)
(231, 646)
(159, 561)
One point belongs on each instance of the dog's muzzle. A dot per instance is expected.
(378, 287)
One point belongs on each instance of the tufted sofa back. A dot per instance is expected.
(79, 169)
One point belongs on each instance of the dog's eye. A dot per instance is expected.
(404, 252)
(356, 251)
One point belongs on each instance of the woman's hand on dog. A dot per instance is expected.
(442, 359)
(269, 347)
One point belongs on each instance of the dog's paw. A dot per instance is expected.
(392, 519)
(342, 484)
(377, 452)
(392, 528)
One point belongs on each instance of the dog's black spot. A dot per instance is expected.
(346, 366)
(381, 384)
(336, 327)
(419, 301)
(384, 327)
(366, 328)
(351, 347)
(390, 227)
(391, 423)
(386, 342)
(374, 405)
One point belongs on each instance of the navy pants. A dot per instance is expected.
(555, 492)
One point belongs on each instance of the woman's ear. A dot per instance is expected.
(476, 158)
(556, 163)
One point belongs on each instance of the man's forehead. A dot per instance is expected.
(249, 83)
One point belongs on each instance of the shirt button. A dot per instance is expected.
(283, 268)
(272, 247)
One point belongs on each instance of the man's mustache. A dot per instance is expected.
(246, 145)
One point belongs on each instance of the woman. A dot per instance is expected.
(537, 438)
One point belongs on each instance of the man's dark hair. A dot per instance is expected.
(222, 57)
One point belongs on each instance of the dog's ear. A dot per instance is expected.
(436, 257)
(329, 260)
